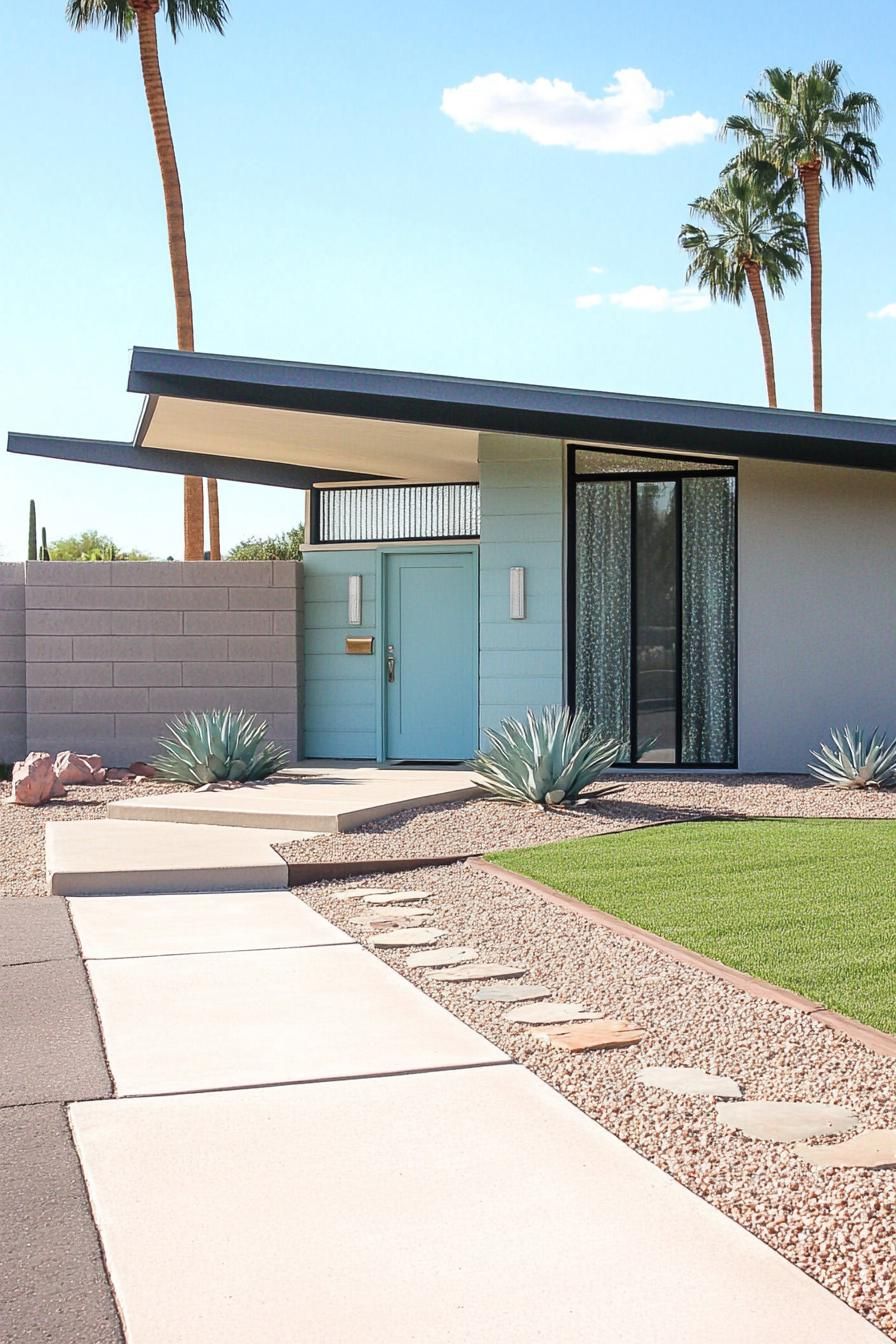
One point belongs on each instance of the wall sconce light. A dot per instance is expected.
(354, 599)
(518, 593)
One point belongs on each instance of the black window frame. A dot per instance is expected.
(723, 467)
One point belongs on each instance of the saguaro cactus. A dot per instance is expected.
(32, 531)
(44, 548)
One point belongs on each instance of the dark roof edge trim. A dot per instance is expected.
(260, 382)
(505, 408)
(106, 453)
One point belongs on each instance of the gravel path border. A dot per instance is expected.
(839, 1226)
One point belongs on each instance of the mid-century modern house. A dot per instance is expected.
(714, 585)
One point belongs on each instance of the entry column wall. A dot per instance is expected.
(522, 482)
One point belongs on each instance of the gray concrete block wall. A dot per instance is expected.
(110, 652)
(12, 662)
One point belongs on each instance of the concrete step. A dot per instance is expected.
(313, 800)
(121, 858)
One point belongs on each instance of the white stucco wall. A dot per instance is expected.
(817, 608)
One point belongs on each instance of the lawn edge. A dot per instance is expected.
(320, 870)
(881, 1042)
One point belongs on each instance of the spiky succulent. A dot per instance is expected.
(855, 762)
(549, 759)
(219, 744)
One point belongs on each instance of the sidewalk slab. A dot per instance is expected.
(34, 930)
(467, 1207)
(185, 1023)
(50, 1048)
(94, 858)
(307, 798)
(151, 926)
(53, 1284)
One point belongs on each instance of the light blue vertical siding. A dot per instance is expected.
(522, 512)
(520, 662)
(340, 689)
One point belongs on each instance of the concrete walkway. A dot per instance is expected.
(310, 1148)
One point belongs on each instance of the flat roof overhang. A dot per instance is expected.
(302, 424)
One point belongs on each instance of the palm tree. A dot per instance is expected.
(752, 236)
(121, 17)
(803, 125)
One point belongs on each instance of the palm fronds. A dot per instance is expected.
(799, 118)
(119, 17)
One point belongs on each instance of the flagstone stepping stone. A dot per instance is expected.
(483, 971)
(784, 1121)
(690, 1082)
(446, 956)
(408, 938)
(872, 1148)
(604, 1034)
(355, 893)
(387, 912)
(377, 897)
(544, 1014)
(511, 993)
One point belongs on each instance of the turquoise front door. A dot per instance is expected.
(430, 655)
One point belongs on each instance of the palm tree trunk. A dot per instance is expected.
(810, 178)
(214, 523)
(757, 293)
(145, 12)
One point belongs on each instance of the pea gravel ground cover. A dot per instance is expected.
(479, 825)
(837, 1225)
(810, 905)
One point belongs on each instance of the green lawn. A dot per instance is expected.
(810, 905)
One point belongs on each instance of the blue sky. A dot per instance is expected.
(336, 213)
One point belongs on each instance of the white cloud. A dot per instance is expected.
(888, 310)
(597, 270)
(552, 112)
(654, 299)
(649, 299)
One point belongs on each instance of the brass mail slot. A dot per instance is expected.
(359, 644)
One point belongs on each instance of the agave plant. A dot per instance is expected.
(220, 744)
(549, 759)
(855, 763)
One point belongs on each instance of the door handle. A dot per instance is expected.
(390, 662)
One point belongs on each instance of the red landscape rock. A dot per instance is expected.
(142, 769)
(34, 780)
(72, 767)
(114, 775)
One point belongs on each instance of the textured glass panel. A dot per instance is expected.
(708, 622)
(656, 631)
(595, 462)
(603, 606)
(398, 512)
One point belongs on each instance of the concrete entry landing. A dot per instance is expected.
(312, 797)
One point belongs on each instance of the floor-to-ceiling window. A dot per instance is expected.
(654, 617)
